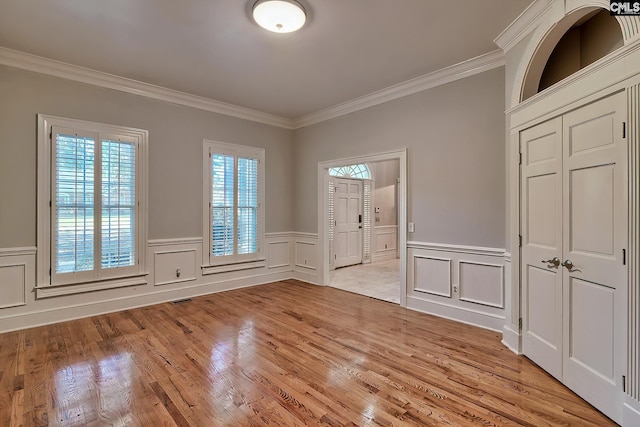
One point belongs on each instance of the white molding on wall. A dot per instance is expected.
(483, 304)
(29, 250)
(279, 235)
(524, 24)
(511, 339)
(468, 68)
(464, 315)
(384, 255)
(20, 287)
(411, 277)
(522, 114)
(631, 412)
(474, 250)
(461, 286)
(39, 64)
(81, 288)
(298, 247)
(160, 295)
(218, 269)
(170, 242)
(299, 235)
(191, 267)
(16, 288)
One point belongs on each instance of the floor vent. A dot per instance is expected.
(181, 301)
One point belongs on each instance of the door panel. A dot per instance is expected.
(591, 337)
(591, 216)
(541, 209)
(595, 232)
(541, 197)
(545, 303)
(348, 226)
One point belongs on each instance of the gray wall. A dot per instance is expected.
(456, 165)
(385, 186)
(175, 152)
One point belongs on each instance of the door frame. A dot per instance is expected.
(323, 212)
(617, 72)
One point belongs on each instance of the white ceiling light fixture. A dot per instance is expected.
(279, 16)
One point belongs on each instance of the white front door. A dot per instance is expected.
(595, 233)
(347, 233)
(575, 229)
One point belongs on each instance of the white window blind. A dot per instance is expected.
(235, 216)
(222, 210)
(247, 205)
(118, 203)
(94, 206)
(74, 215)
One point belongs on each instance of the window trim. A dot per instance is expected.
(237, 261)
(107, 280)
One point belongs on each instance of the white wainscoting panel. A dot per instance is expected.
(511, 332)
(279, 252)
(431, 275)
(462, 283)
(17, 273)
(12, 285)
(386, 242)
(305, 257)
(17, 276)
(175, 266)
(481, 283)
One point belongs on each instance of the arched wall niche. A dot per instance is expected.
(560, 17)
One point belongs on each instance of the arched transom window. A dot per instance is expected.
(360, 171)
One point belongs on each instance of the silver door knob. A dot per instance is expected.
(569, 266)
(554, 262)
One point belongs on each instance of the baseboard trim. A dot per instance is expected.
(457, 314)
(159, 296)
(306, 277)
(511, 339)
(384, 256)
(631, 414)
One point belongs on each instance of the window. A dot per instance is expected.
(92, 205)
(360, 171)
(233, 183)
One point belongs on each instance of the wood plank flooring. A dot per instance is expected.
(283, 354)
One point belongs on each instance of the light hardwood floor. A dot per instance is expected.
(283, 354)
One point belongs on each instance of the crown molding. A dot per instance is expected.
(524, 24)
(449, 74)
(38, 64)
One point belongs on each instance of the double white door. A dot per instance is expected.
(574, 227)
(347, 233)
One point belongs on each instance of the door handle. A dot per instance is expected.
(569, 266)
(555, 262)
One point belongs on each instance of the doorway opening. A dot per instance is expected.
(362, 222)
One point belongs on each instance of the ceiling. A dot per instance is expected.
(211, 48)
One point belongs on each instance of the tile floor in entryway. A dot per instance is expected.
(379, 280)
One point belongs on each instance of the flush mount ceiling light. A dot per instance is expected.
(279, 16)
